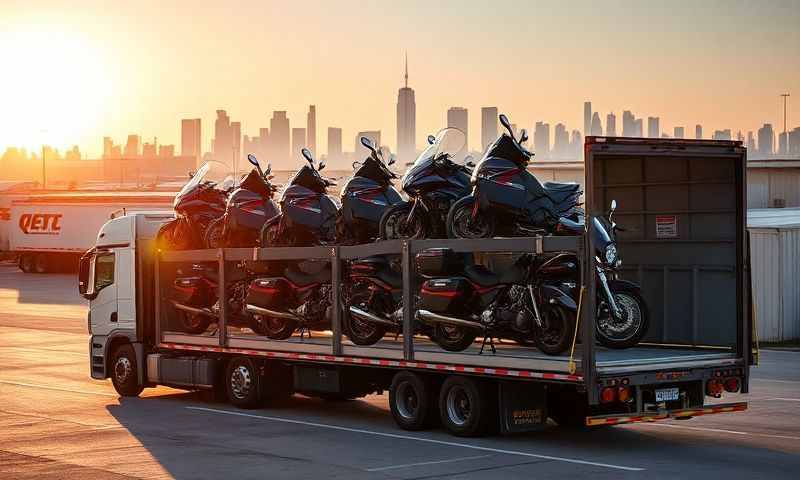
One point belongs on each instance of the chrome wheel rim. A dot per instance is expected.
(459, 407)
(241, 382)
(399, 228)
(122, 369)
(407, 401)
(624, 328)
(464, 226)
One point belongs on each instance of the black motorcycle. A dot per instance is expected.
(280, 305)
(199, 203)
(308, 215)
(509, 200)
(433, 183)
(622, 314)
(249, 207)
(365, 198)
(515, 304)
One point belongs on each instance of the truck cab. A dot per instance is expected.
(113, 276)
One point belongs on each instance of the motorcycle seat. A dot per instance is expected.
(486, 278)
(302, 279)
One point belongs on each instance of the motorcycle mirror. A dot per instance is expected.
(269, 169)
(523, 136)
(356, 165)
(307, 154)
(471, 164)
(613, 205)
(321, 165)
(431, 139)
(391, 160)
(504, 121)
(367, 143)
(252, 159)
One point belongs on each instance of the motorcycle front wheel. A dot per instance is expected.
(395, 224)
(192, 323)
(628, 330)
(559, 328)
(213, 237)
(461, 223)
(453, 338)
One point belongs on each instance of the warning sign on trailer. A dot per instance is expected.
(666, 226)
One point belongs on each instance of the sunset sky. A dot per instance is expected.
(75, 71)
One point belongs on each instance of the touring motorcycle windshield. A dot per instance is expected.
(449, 141)
(216, 173)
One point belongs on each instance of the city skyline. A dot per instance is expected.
(121, 80)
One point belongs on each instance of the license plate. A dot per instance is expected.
(667, 394)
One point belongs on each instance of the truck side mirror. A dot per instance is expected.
(86, 276)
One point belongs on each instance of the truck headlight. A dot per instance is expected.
(611, 254)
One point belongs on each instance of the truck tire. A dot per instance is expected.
(26, 262)
(41, 263)
(242, 380)
(467, 407)
(413, 401)
(124, 371)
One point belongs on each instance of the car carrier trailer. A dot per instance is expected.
(682, 204)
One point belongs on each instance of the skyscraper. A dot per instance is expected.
(783, 143)
(279, 139)
(108, 145)
(132, 146)
(223, 144)
(677, 132)
(576, 144)
(597, 128)
(334, 144)
(628, 124)
(751, 142)
(611, 125)
(406, 122)
(488, 126)
(794, 141)
(653, 127)
(722, 134)
(541, 139)
(698, 132)
(311, 129)
(236, 143)
(587, 118)
(298, 143)
(458, 117)
(637, 127)
(560, 141)
(766, 140)
(191, 145)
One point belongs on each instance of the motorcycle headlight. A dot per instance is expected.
(611, 254)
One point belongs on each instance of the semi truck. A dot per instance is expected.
(681, 204)
(49, 232)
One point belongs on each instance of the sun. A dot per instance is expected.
(55, 87)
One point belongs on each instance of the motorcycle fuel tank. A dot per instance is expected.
(366, 199)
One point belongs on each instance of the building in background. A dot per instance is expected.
(576, 145)
(560, 142)
(722, 134)
(191, 145)
(279, 140)
(132, 146)
(751, 143)
(611, 125)
(541, 139)
(298, 144)
(458, 117)
(794, 141)
(406, 122)
(766, 140)
(587, 118)
(236, 144)
(597, 127)
(488, 126)
(628, 124)
(638, 127)
(653, 127)
(334, 144)
(311, 129)
(223, 144)
(678, 132)
(698, 132)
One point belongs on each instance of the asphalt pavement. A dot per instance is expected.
(55, 422)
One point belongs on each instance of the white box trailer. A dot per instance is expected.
(49, 232)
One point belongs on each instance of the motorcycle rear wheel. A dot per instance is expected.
(462, 224)
(272, 327)
(359, 331)
(556, 338)
(396, 225)
(452, 338)
(193, 323)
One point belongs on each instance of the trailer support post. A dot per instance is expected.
(408, 299)
(336, 300)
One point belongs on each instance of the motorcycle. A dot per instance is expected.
(199, 203)
(622, 314)
(308, 215)
(433, 183)
(515, 304)
(365, 198)
(196, 300)
(248, 208)
(509, 200)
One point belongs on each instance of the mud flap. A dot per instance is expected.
(523, 407)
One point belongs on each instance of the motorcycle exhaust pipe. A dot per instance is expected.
(270, 313)
(194, 310)
(432, 318)
(371, 317)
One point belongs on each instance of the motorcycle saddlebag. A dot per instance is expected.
(193, 291)
(445, 294)
(269, 292)
(435, 262)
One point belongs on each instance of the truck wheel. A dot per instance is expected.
(124, 371)
(41, 263)
(466, 407)
(242, 380)
(412, 401)
(26, 262)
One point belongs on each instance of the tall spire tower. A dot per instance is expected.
(406, 121)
